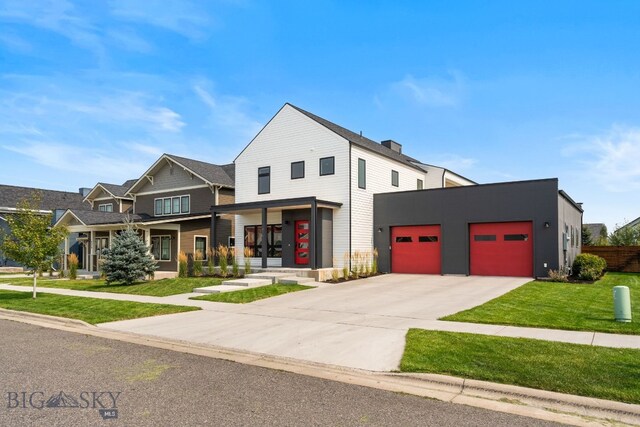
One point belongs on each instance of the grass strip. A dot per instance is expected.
(600, 372)
(252, 294)
(91, 310)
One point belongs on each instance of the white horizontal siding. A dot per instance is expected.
(378, 180)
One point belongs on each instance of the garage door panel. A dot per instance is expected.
(415, 249)
(501, 249)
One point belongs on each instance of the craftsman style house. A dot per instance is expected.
(305, 186)
(169, 205)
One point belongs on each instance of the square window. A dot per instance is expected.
(264, 180)
(297, 170)
(327, 166)
(362, 173)
(395, 178)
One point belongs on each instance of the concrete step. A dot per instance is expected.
(273, 276)
(248, 282)
(295, 280)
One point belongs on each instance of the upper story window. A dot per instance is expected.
(327, 166)
(264, 180)
(395, 178)
(174, 205)
(362, 173)
(297, 170)
(420, 185)
(106, 207)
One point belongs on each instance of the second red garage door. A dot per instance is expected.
(415, 249)
(501, 249)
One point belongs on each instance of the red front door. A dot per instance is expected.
(415, 249)
(302, 242)
(501, 249)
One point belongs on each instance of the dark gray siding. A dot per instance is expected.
(455, 208)
(324, 236)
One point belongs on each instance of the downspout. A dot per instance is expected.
(350, 206)
(444, 171)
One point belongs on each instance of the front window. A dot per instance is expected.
(297, 170)
(158, 208)
(420, 184)
(161, 248)
(395, 178)
(185, 203)
(264, 180)
(107, 207)
(362, 173)
(201, 245)
(327, 166)
(172, 205)
(253, 240)
(175, 205)
(167, 206)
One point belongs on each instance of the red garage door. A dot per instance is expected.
(415, 249)
(501, 249)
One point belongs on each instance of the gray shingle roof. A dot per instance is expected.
(220, 175)
(360, 141)
(51, 199)
(595, 229)
(115, 189)
(89, 217)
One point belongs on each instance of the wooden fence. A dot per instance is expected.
(619, 258)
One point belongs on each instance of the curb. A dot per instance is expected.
(21, 316)
(534, 403)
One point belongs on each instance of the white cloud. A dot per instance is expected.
(429, 91)
(127, 39)
(611, 159)
(180, 16)
(15, 43)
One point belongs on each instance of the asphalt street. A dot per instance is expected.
(55, 378)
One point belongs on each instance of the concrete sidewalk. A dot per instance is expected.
(356, 325)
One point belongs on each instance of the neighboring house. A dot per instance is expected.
(305, 187)
(170, 205)
(633, 223)
(523, 228)
(52, 202)
(598, 233)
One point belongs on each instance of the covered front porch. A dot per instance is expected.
(286, 233)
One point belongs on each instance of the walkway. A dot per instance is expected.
(358, 325)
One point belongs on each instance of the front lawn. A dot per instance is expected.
(91, 310)
(571, 306)
(252, 294)
(156, 288)
(600, 372)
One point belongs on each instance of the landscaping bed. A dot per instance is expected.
(157, 288)
(600, 372)
(90, 310)
(252, 294)
(569, 306)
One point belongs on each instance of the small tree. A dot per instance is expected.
(625, 236)
(586, 238)
(128, 259)
(31, 240)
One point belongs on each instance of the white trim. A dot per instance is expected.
(94, 189)
(69, 212)
(146, 193)
(206, 246)
(105, 209)
(11, 210)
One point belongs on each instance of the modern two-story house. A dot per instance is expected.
(169, 205)
(305, 187)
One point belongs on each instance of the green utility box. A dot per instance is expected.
(622, 303)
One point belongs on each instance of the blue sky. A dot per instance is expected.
(495, 90)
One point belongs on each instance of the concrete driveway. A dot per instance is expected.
(361, 324)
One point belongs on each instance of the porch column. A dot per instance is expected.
(265, 242)
(110, 238)
(312, 234)
(92, 236)
(213, 236)
(66, 253)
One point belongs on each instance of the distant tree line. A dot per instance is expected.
(621, 236)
